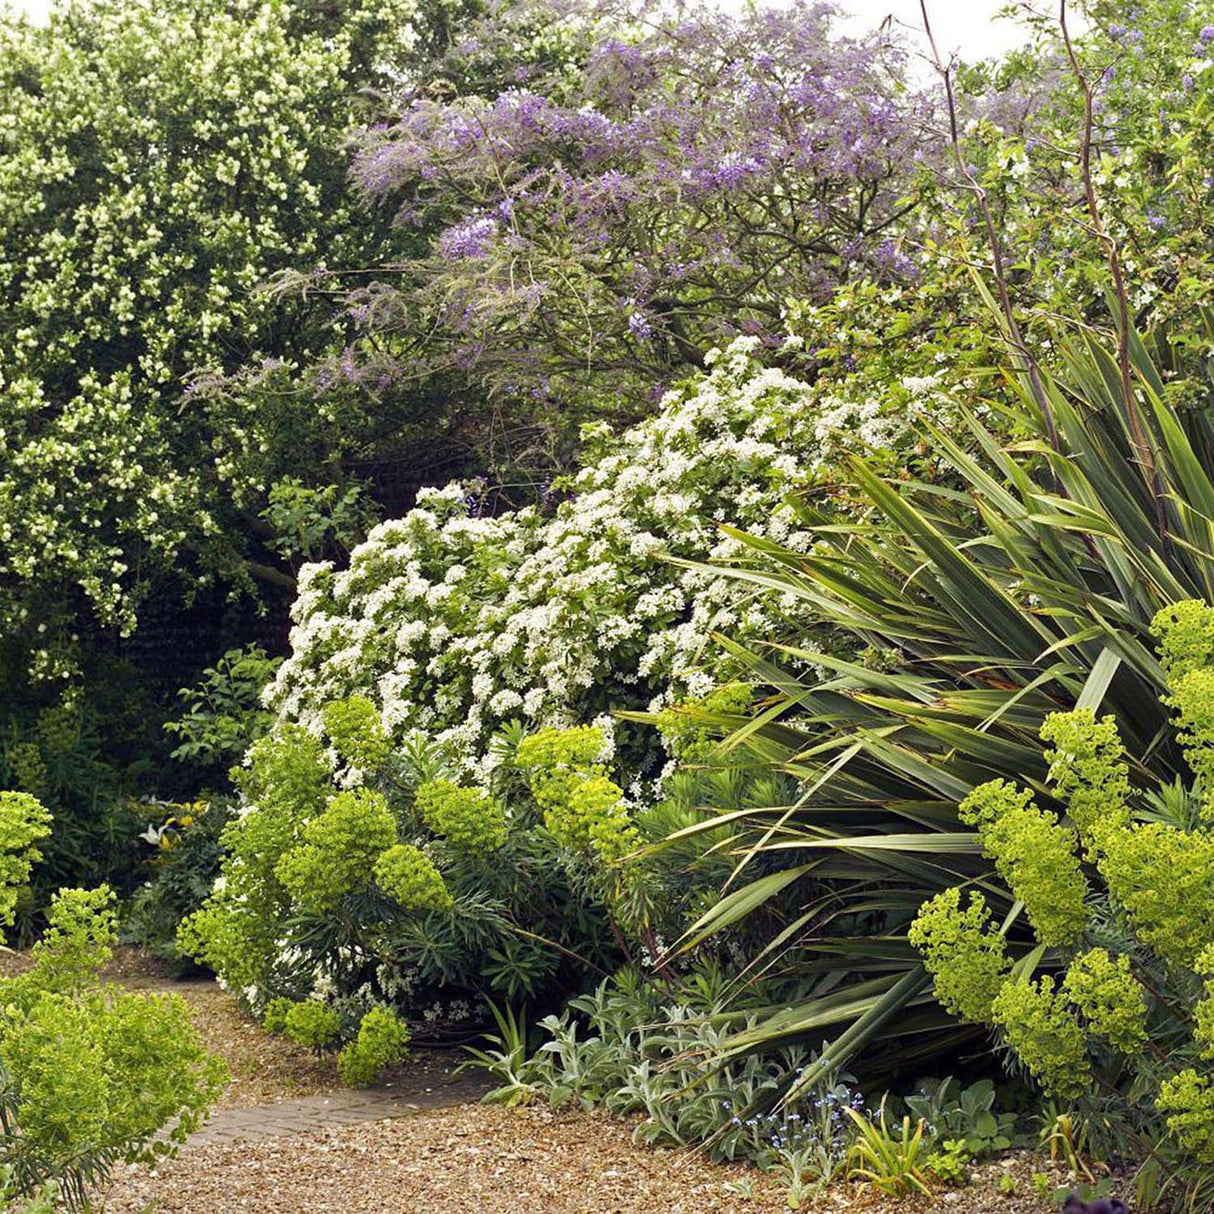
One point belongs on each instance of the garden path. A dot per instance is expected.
(278, 1088)
(329, 1110)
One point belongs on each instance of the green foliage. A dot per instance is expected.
(274, 1018)
(409, 877)
(286, 783)
(1011, 607)
(967, 1115)
(1188, 1100)
(83, 756)
(1109, 997)
(340, 848)
(357, 733)
(181, 868)
(1187, 656)
(383, 1039)
(308, 522)
(967, 962)
(23, 822)
(1047, 1038)
(1088, 770)
(93, 1075)
(408, 891)
(311, 1024)
(692, 731)
(894, 1162)
(1034, 854)
(468, 818)
(161, 166)
(1162, 878)
(950, 1162)
(223, 715)
(627, 1047)
(582, 807)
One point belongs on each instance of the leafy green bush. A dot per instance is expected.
(23, 822)
(977, 610)
(382, 1040)
(161, 165)
(312, 1024)
(457, 622)
(222, 714)
(407, 890)
(83, 756)
(1100, 1016)
(181, 867)
(93, 1075)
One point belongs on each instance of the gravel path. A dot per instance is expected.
(286, 1139)
(473, 1158)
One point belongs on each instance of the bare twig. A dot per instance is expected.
(1143, 454)
(1027, 363)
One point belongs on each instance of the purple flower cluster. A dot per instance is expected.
(470, 238)
(696, 172)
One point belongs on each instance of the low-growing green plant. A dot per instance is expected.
(893, 1161)
(92, 1075)
(630, 1050)
(507, 1061)
(310, 1023)
(43, 1200)
(383, 1039)
(1063, 1138)
(950, 1162)
(274, 1018)
(966, 1114)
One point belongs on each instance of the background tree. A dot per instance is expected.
(648, 191)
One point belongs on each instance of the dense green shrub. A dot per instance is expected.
(180, 866)
(1064, 890)
(1104, 1016)
(23, 822)
(406, 890)
(382, 1040)
(160, 165)
(312, 1024)
(92, 1075)
(462, 669)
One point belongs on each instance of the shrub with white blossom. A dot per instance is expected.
(447, 804)
(455, 624)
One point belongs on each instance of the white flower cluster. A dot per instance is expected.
(455, 624)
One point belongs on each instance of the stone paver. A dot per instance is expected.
(330, 1110)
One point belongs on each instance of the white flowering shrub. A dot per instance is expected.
(441, 808)
(158, 164)
(455, 624)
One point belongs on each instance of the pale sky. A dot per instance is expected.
(967, 26)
